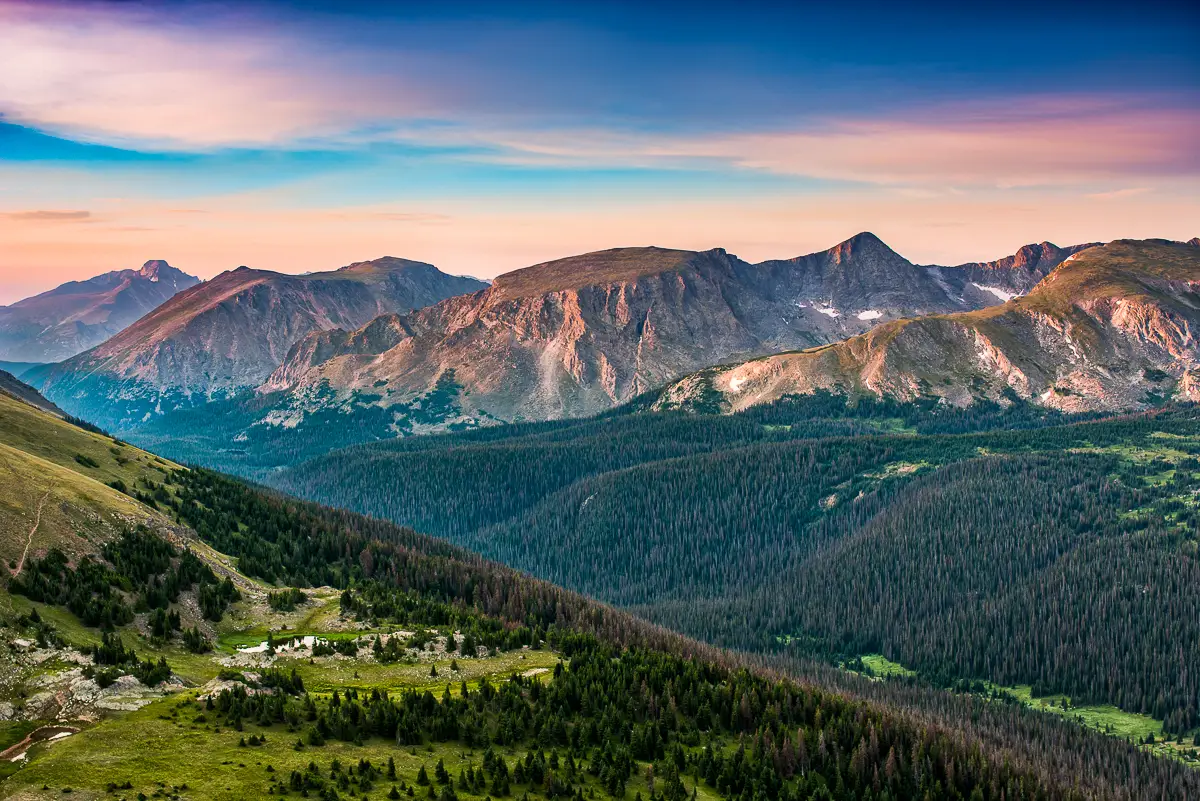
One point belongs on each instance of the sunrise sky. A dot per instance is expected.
(305, 136)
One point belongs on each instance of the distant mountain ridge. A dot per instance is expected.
(229, 334)
(565, 338)
(582, 334)
(78, 315)
(1111, 327)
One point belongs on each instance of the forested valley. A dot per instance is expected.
(1009, 545)
(628, 702)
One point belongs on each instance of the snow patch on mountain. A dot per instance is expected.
(997, 291)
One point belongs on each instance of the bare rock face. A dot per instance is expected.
(1112, 327)
(71, 318)
(992, 282)
(229, 334)
(582, 334)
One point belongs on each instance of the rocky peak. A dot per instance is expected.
(862, 244)
(152, 268)
(77, 315)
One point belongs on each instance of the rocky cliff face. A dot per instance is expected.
(78, 315)
(1112, 327)
(230, 334)
(582, 334)
(991, 282)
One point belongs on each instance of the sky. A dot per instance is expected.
(487, 137)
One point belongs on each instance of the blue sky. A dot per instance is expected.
(483, 137)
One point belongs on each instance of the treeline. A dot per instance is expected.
(728, 529)
(1017, 569)
(394, 571)
(138, 572)
(607, 710)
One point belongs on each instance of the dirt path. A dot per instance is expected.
(37, 521)
(13, 753)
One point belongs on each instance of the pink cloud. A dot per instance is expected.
(1041, 141)
(1117, 194)
(48, 216)
(117, 73)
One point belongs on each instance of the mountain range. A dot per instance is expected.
(583, 334)
(282, 367)
(228, 335)
(1112, 327)
(78, 315)
(568, 337)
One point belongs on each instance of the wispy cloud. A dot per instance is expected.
(419, 218)
(1117, 194)
(123, 75)
(1051, 142)
(48, 216)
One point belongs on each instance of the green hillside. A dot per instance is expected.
(57, 484)
(90, 453)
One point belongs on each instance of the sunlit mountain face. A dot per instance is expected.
(486, 137)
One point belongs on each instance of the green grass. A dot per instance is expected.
(328, 675)
(880, 665)
(70, 510)
(55, 476)
(147, 748)
(1108, 719)
(33, 431)
(900, 469)
(1104, 718)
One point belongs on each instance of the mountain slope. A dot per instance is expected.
(71, 318)
(1112, 327)
(15, 388)
(57, 482)
(579, 335)
(229, 334)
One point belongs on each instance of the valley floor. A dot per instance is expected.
(1141, 730)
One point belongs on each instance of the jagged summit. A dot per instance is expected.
(231, 333)
(152, 268)
(859, 243)
(1110, 328)
(77, 315)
